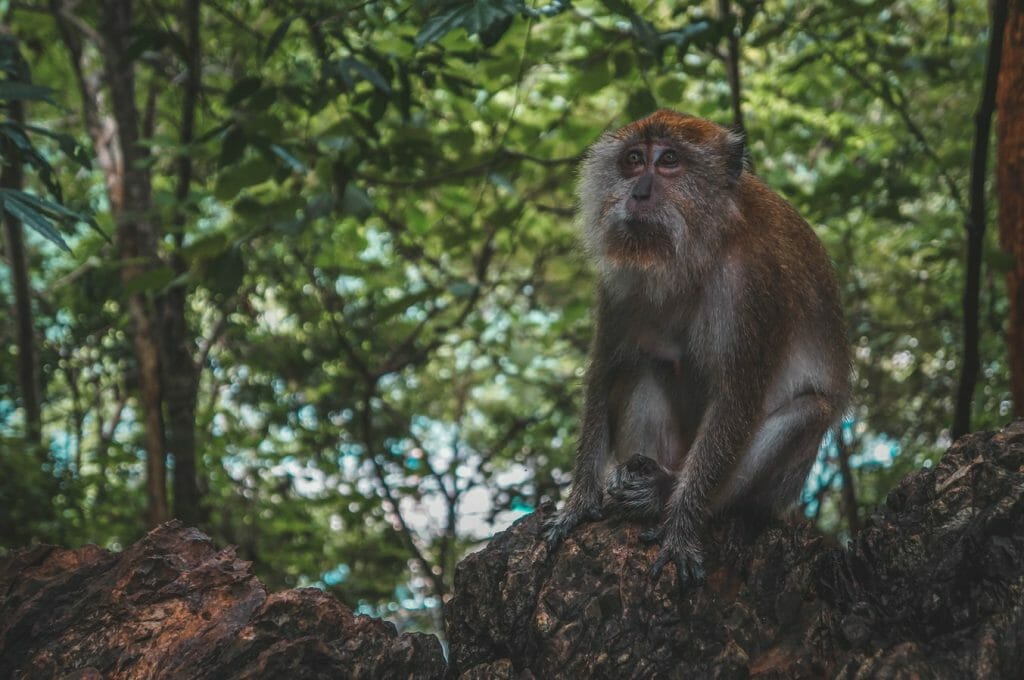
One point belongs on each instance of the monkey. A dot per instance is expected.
(719, 358)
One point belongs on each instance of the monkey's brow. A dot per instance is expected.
(667, 140)
(663, 140)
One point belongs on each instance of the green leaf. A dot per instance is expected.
(476, 16)
(31, 218)
(697, 32)
(205, 247)
(233, 146)
(490, 36)
(1000, 261)
(151, 280)
(356, 202)
(55, 210)
(224, 273)
(154, 40)
(243, 89)
(670, 91)
(641, 103)
(233, 179)
(462, 289)
(68, 145)
(15, 91)
(369, 74)
(595, 76)
(276, 37)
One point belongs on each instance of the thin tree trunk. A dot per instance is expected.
(971, 362)
(137, 243)
(12, 177)
(849, 491)
(1010, 176)
(180, 372)
(732, 68)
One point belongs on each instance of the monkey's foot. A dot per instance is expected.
(686, 555)
(556, 527)
(638, 490)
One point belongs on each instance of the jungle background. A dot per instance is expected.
(304, 273)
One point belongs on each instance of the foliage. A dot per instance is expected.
(36, 212)
(383, 291)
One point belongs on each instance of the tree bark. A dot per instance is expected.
(181, 380)
(975, 227)
(137, 245)
(1010, 178)
(174, 606)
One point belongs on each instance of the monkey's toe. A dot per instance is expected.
(557, 526)
(689, 566)
(553, 532)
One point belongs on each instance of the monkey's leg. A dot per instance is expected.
(724, 432)
(638, 490)
(592, 457)
(772, 471)
(584, 502)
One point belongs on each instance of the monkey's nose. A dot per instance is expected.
(642, 188)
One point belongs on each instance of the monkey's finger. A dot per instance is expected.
(553, 530)
(652, 535)
(691, 570)
(663, 558)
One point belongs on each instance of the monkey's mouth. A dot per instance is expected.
(639, 242)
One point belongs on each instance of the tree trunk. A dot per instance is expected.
(181, 381)
(12, 177)
(971, 360)
(732, 68)
(137, 245)
(849, 491)
(1010, 169)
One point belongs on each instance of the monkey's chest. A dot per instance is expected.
(661, 348)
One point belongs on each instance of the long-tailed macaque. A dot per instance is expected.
(720, 356)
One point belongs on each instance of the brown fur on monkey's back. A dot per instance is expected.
(772, 234)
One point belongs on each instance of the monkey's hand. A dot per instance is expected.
(680, 545)
(638, 490)
(583, 505)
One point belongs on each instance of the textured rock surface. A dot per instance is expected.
(932, 587)
(173, 606)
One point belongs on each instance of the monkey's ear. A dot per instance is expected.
(735, 151)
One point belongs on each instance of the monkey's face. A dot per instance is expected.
(650, 191)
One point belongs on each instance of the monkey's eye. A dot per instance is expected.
(634, 157)
(669, 159)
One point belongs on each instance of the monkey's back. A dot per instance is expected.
(792, 256)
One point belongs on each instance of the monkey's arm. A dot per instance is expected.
(584, 502)
(739, 380)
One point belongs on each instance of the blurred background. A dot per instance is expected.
(304, 273)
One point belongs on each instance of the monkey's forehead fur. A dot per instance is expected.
(668, 124)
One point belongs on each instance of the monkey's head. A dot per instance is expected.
(658, 189)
